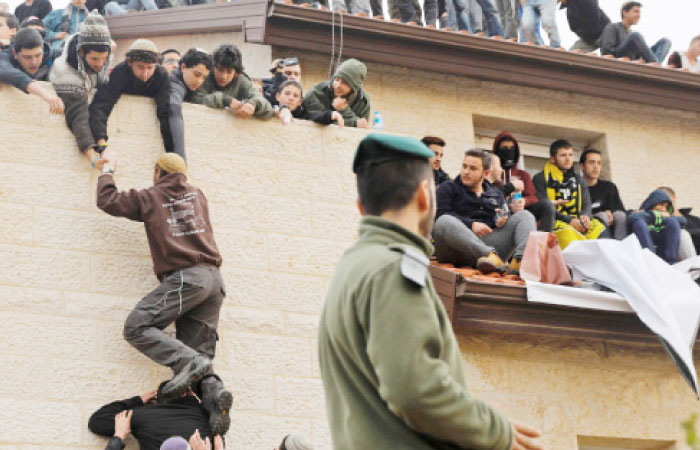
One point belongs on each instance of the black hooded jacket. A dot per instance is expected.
(153, 424)
(586, 19)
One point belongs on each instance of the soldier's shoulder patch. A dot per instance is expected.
(414, 264)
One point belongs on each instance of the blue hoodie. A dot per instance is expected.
(654, 218)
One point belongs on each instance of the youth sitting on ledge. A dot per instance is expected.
(473, 227)
(560, 184)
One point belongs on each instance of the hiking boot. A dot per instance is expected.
(217, 400)
(194, 371)
(491, 263)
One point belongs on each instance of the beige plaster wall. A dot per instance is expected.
(647, 146)
(282, 205)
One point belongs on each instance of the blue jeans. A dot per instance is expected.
(546, 12)
(635, 46)
(664, 243)
(115, 9)
(459, 12)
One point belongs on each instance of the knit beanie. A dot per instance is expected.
(143, 50)
(296, 441)
(172, 163)
(94, 31)
(175, 443)
(353, 72)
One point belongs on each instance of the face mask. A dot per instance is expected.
(508, 157)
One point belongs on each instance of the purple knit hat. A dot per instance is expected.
(175, 443)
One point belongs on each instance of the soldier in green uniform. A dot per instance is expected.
(390, 362)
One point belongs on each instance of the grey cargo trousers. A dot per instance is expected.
(190, 297)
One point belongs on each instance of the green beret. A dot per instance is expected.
(380, 148)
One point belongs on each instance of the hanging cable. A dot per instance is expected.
(330, 68)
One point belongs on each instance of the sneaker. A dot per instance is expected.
(194, 371)
(491, 263)
(514, 267)
(217, 400)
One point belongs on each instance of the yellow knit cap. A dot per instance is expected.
(172, 163)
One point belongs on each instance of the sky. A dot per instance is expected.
(660, 18)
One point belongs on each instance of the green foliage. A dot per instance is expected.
(691, 437)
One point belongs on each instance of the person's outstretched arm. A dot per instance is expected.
(120, 204)
(175, 120)
(102, 421)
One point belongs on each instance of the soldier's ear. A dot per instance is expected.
(423, 195)
(360, 207)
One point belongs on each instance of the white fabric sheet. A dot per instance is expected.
(665, 299)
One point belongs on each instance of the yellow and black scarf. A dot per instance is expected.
(564, 186)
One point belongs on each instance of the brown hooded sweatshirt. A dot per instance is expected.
(175, 215)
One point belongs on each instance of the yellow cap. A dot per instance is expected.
(172, 163)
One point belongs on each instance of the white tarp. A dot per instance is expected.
(665, 299)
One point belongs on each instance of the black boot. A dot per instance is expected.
(217, 400)
(194, 371)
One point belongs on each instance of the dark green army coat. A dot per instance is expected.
(391, 366)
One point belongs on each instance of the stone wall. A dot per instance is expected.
(282, 205)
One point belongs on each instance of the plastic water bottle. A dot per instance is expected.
(516, 196)
(378, 123)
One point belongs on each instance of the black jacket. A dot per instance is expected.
(123, 81)
(39, 9)
(586, 19)
(455, 199)
(153, 424)
(11, 71)
(440, 177)
(605, 197)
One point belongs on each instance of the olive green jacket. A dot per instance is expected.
(241, 88)
(391, 366)
(318, 100)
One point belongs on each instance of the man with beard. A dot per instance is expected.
(437, 145)
(560, 184)
(473, 226)
(82, 68)
(391, 366)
